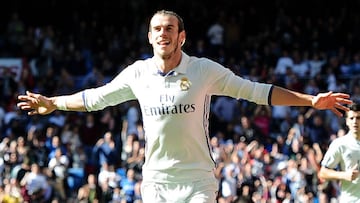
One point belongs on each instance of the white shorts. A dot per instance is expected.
(203, 191)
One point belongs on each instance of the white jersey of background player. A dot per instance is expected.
(344, 153)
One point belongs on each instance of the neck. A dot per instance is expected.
(167, 63)
(356, 135)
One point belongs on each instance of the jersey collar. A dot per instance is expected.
(180, 69)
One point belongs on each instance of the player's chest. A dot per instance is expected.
(351, 153)
(168, 90)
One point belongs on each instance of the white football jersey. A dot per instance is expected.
(344, 152)
(175, 110)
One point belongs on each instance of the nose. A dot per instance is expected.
(353, 121)
(162, 31)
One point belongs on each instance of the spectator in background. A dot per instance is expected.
(250, 131)
(345, 68)
(105, 150)
(309, 175)
(2, 116)
(356, 94)
(108, 176)
(21, 148)
(12, 192)
(37, 150)
(262, 120)
(106, 192)
(355, 65)
(228, 185)
(317, 131)
(132, 118)
(15, 31)
(316, 63)
(128, 186)
(11, 157)
(93, 79)
(36, 184)
(117, 196)
(52, 144)
(233, 33)
(70, 136)
(294, 178)
(200, 49)
(311, 87)
(90, 191)
(136, 159)
(58, 166)
(67, 82)
(90, 133)
(226, 110)
(300, 127)
(284, 62)
(215, 34)
(300, 66)
(58, 119)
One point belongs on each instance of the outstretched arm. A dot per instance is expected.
(331, 101)
(39, 104)
(331, 174)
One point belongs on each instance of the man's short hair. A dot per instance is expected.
(181, 26)
(354, 107)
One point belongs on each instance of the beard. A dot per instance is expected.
(166, 56)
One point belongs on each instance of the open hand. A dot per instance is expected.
(36, 103)
(332, 101)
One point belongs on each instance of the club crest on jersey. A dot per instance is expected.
(185, 84)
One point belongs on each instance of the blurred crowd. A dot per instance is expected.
(263, 153)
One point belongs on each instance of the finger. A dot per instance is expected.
(31, 113)
(28, 93)
(28, 104)
(343, 100)
(326, 93)
(341, 95)
(20, 104)
(341, 107)
(355, 167)
(25, 107)
(27, 98)
(31, 100)
(33, 95)
(336, 112)
(20, 97)
(23, 97)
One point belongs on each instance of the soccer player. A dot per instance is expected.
(174, 92)
(342, 160)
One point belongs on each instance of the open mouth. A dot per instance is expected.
(163, 43)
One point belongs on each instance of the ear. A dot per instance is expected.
(150, 38)
(182, 38)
